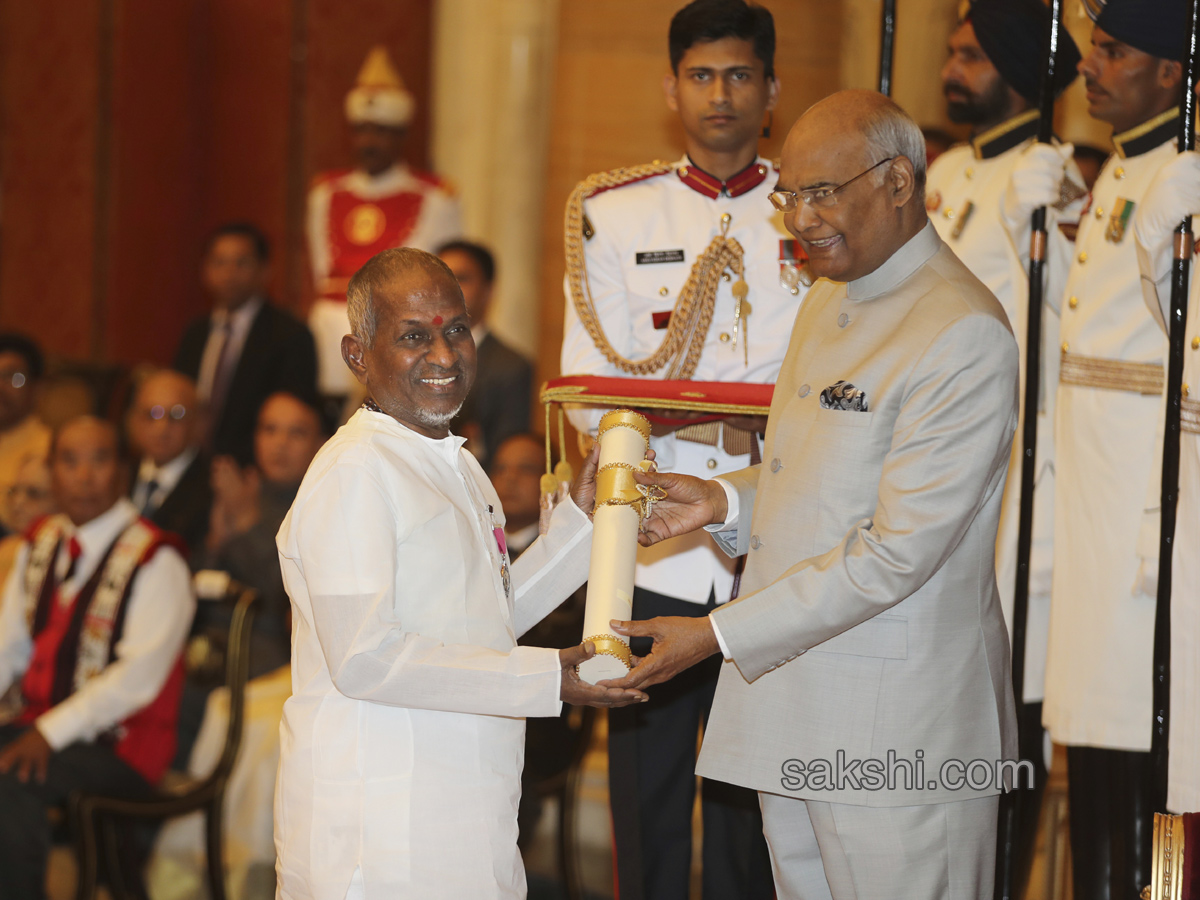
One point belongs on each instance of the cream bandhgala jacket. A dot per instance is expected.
(403, 742)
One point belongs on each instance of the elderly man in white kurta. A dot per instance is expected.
(402, 743)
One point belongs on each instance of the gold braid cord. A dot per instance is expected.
(693, 311)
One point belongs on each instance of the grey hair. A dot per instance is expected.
(378, 271)
(889, 131)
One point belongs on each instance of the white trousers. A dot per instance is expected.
(832, 851)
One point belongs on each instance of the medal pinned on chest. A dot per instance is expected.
(793, 266)
(502, 546)
(1118, 220)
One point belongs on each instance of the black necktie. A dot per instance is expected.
(148, 504)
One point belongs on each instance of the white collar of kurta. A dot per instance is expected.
(447, 447)
(919, 249)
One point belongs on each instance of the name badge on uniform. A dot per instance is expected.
(793, 266)
(963, 218)
(652, 257)
(1118, 220)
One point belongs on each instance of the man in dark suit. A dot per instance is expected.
(498, 405)
(246, 349)
(170, 486)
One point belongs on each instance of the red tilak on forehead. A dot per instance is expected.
(437, 320)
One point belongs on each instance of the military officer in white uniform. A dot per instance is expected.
(643, 231)
(1174, 194)
(1108, 453)
(990, 81)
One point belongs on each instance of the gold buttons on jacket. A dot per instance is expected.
(1186, 392)
(949, 213)
(1073, 302)
(724, 337)
(1119, 173)
(712, 464)
(1099, 212)
(662, 291)
(1083, 257)
(1196, 342)
(970, 173)
(1066, 347)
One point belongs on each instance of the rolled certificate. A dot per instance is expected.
(623, 436)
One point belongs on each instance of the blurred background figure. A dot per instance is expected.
(246, 349)
(516, 471)
(165, 425)
(498, 404)
(110, 728)
(22, 434)
(382, 203)
(28, 499)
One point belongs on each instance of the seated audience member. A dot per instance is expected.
(498, 404)
(99, 703)
(29, 498)
(250, 503)
(170, 484)
(22, 434)
(516, 472)
(246, 349)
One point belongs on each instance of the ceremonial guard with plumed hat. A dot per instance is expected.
(352, 215)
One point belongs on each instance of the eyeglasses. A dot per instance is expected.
(786, 201)
(176, 412)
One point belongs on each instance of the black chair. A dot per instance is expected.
(94, 817)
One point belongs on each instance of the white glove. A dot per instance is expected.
(1145, 582)
(1036, 181)
(1173, 194)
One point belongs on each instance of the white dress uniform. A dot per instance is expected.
(351, 217)
(402, 744)
(964, 195)
(1183, 752)
(647, 235)
(1109, 425)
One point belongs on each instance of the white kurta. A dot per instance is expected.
(402, 745)
(630, 281)
(1098, 670)
(1183, 751)
(965, 193)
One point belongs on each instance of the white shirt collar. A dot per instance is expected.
(168, 474)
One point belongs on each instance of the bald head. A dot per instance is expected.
(164, 419)
(85, 468)
(856, 163)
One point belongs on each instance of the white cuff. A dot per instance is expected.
(731, 515)
(720, 640)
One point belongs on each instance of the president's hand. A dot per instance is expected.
(691, 503)
(679, 643)
(27, 756)
(578, 692)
